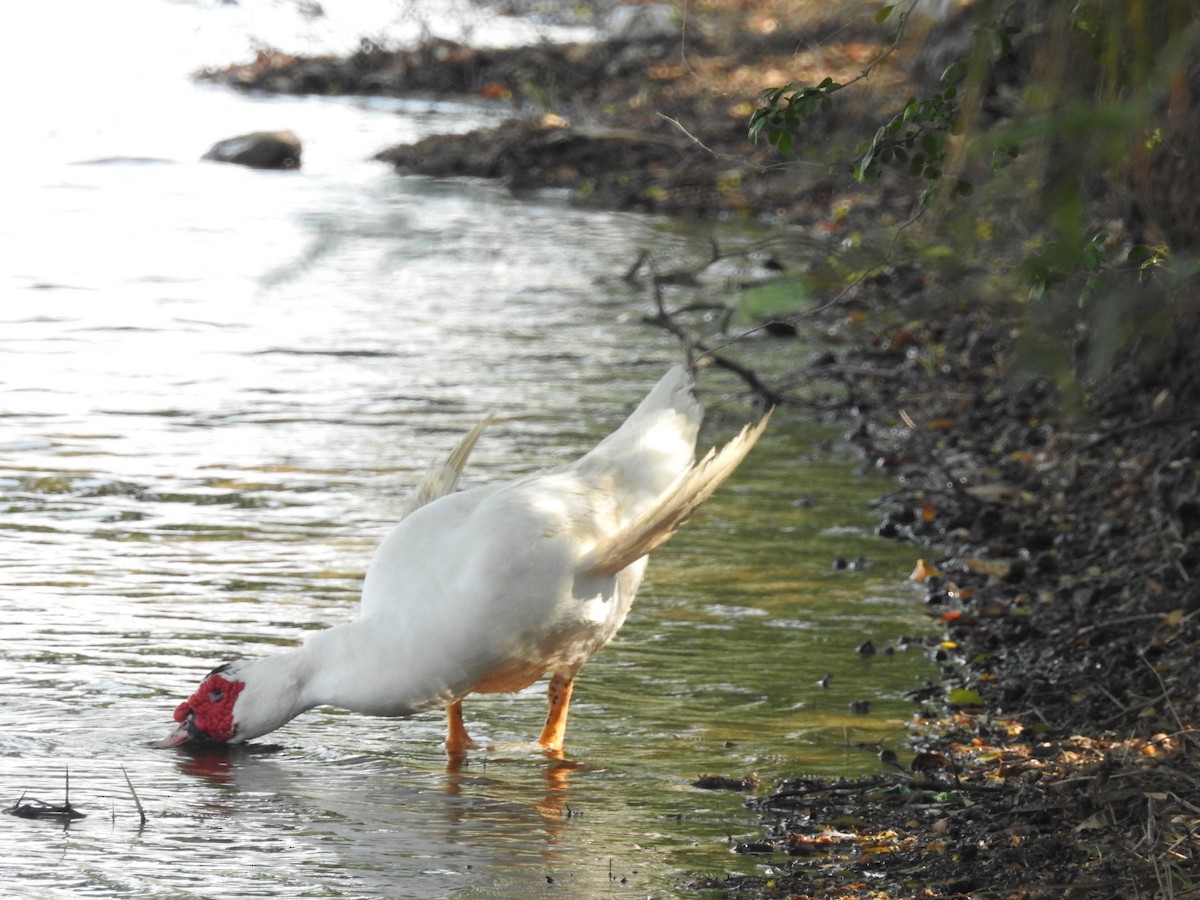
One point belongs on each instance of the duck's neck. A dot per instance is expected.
(274, 692)
(349, 666)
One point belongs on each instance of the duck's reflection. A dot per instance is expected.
(497, 813)
(217, 762)
(552, 806)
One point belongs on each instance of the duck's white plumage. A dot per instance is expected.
(489, 589)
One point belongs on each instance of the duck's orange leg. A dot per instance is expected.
(457, 740)
(559, 695)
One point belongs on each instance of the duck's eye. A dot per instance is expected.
(215, 695)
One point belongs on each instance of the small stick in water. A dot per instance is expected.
(136, 801)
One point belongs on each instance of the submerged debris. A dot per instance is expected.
(725, 783)
(39, 809)
(65, 812)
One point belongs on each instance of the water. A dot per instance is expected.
(216, 386)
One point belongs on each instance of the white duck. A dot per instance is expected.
(489, 589)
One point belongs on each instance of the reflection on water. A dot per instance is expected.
(215, 388)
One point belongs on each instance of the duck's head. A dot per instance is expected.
(211, 714)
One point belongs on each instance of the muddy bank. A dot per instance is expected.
(1057, 756)
(630, 125)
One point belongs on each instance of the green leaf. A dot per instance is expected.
(864, 166)
(955, 72)
(964, 697)
(964, 188)
(882, 15)
(1141, 253)
(933, 141)
(866, 172)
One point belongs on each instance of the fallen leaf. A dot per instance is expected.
(993, 568)
(495, 90)
(1093, 822)
(964, 697)
(923, 572)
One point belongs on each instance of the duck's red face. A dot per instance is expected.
(207, 715)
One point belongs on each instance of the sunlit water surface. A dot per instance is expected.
(217, 386)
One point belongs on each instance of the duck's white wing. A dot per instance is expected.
(474, 592)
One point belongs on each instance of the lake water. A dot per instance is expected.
(216, 386)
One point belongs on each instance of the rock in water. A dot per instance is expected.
(259, 150)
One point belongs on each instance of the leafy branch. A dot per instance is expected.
(916, 137)
(784, 107)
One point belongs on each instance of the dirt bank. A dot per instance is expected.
(652, 125)
(1058, 757)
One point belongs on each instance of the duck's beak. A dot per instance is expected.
(180, 735)
(187, 730)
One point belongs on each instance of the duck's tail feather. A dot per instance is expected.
(442, 478)
(644, 456)
(653, 527)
